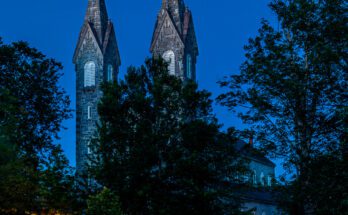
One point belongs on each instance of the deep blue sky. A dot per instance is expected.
(222, 27)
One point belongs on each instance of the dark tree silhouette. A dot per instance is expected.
(35, 174)
(159, 147)
(293, 87)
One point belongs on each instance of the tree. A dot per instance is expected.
(104, 203)
(17, 191)
(159, 147)
(57, 191)
(16, 187)
(32, 79)
(34, 172)
(292, 86)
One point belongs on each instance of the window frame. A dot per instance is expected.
(110, 73)
(89, 112)
(269, 181)
(169, 57)
(89, 150)
(89, 73)
(189, 66)
(254, 177)
(262, 179)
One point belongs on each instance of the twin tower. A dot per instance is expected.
(97, 60)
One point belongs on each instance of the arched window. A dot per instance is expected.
(110, 73)
(89, 74)
(169, 56)
(189, 66)
(262, 179)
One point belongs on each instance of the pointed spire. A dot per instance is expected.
(164, 4)
(176, 9)
(97, 16)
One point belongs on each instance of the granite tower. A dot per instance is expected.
(96, 60)
(174, 39)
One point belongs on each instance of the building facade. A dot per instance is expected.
(96, 60)
(258, 198)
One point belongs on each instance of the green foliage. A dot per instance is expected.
(56, 184)
(34, 174)
(32, 79)
(160, 149)
(104, 203)
(293, 86)
(16, 188)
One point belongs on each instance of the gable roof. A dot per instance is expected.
(250, 152)
(84, 31)
(260, 195)
(100, 27)
(159, 27)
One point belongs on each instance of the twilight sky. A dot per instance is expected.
(222, 27)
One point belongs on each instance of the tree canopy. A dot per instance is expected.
(159, 147)
(35, 174)
(32, 79)
(292, 88)
(104, 203)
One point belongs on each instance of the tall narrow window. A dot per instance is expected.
(89, 73)
(262, 179)
(110, 75)
(89, 112)
(189, 67)
(169, 56)
(269, 181)
(89, 148)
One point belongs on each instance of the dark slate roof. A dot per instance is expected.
(262, 196)
(252, 153)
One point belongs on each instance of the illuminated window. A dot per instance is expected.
(169, 56)
(89, 74)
